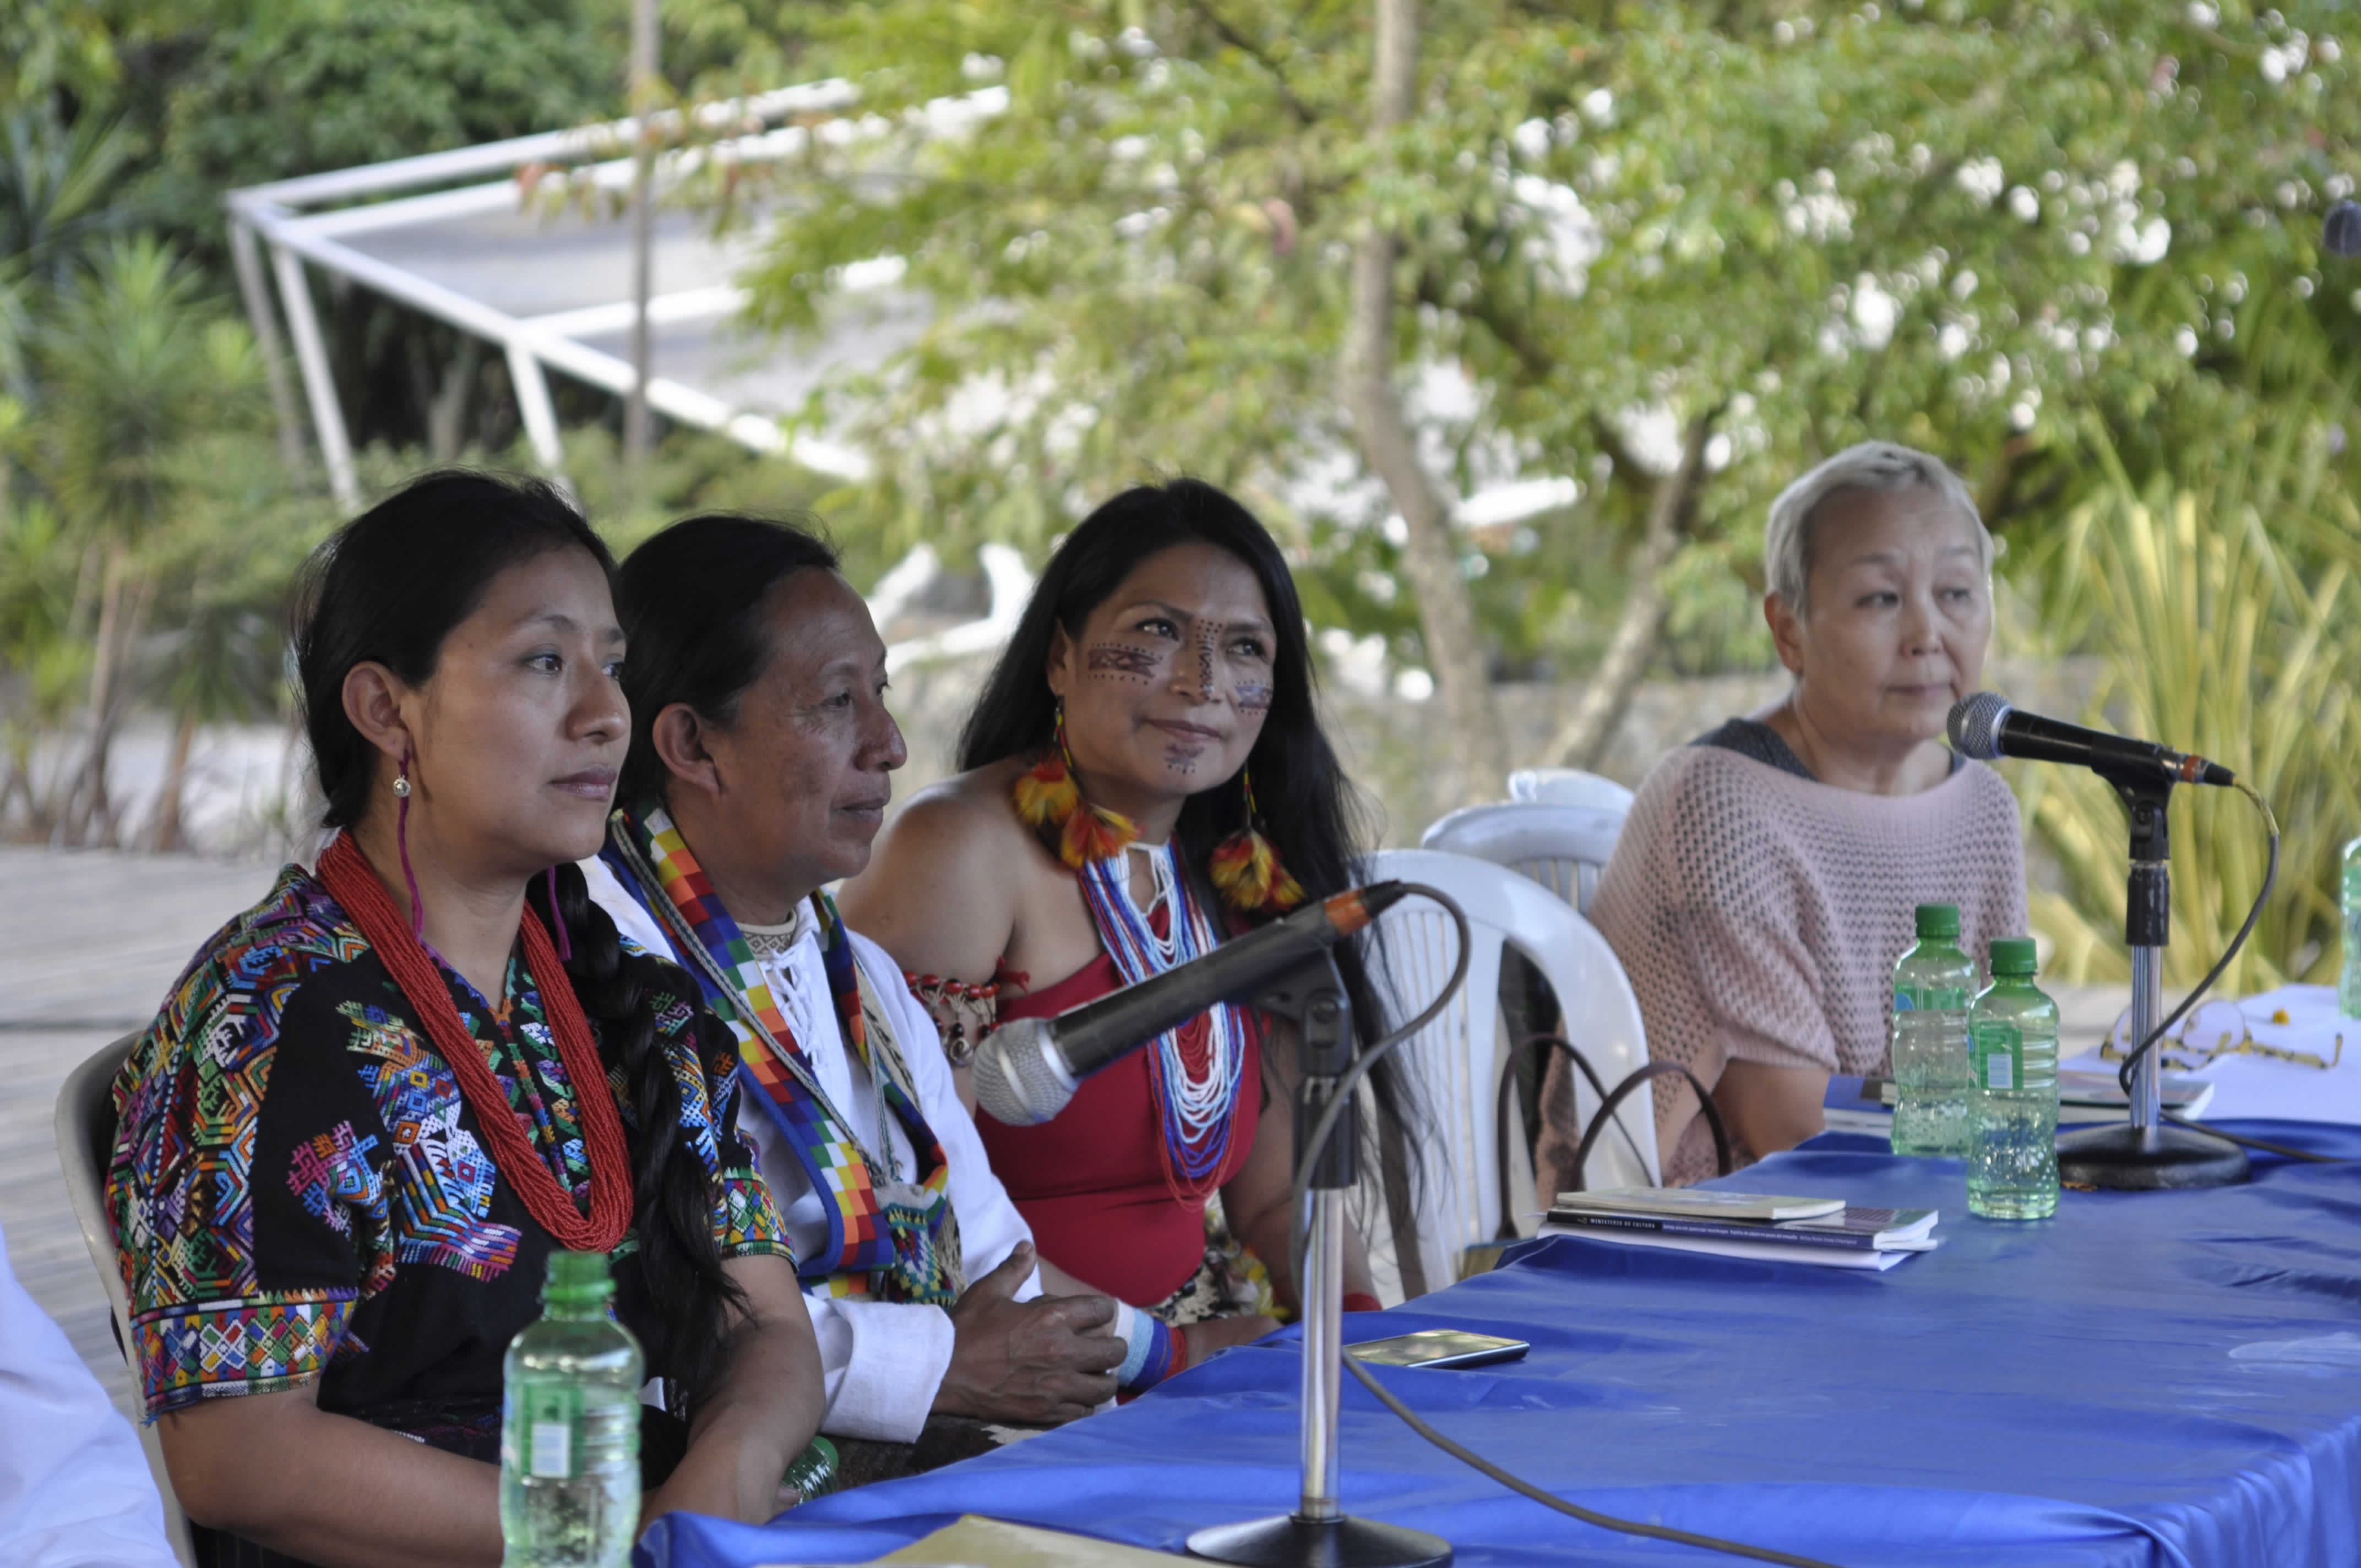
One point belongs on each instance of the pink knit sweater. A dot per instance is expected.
(1759, 915)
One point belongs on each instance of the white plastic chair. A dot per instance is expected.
(85, 1129)
(1456, 1063)
(1570, 786)
(1564, 848)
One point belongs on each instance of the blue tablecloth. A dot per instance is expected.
(2155, 1379)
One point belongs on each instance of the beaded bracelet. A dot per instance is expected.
(1152, 1351)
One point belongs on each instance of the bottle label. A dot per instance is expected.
(1999, 1055)
(550, 1419)
(1931, 999)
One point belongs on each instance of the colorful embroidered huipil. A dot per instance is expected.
(300, 1192)
(893, 1239)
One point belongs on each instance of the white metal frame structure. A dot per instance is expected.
(314, 221)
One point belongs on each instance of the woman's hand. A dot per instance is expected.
(762, 1414)
(1771, 1107)
(1258, 1199)
(1220, 1333)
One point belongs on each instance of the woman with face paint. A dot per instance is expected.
(1145, 776)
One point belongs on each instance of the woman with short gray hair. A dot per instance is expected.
(1764, 882)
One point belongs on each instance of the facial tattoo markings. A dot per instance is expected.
(1121, 662)
(1208, 633)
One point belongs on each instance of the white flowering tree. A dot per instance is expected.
(1656, 257)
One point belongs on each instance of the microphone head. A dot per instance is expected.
(1019, 1078)
(1975, 724)
(2340, 233)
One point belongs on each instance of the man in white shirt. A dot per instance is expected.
(758, 774)
(75, 1489)
(890, 1364)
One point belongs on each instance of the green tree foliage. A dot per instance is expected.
(294, 88)
(1786, 226)
(133, 362)
(58, 186)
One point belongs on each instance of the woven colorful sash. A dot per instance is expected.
(898, 1242)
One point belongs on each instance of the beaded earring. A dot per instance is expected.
(401, 846)
(1245, 869)
(1049, 802)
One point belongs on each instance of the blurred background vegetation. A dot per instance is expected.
(1652, 260)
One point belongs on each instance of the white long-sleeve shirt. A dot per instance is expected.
(883, 1361)
(74, 1488)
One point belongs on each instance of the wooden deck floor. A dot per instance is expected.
(89, 943)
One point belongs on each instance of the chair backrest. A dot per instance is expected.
(1570, 786)
(85, 1128)
(1564, 848)
(1458, 1060)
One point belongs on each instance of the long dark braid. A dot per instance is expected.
(672, 1193)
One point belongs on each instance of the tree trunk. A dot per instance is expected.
(176, 773)
(122, 616)
(86, 798)
(446, 412)
(1445, 612)
(1670, 509)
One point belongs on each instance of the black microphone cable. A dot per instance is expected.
(2254, 913)
(1347, 1085)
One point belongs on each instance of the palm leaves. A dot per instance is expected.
(58, 186)
(127, 361)
(2226, 608)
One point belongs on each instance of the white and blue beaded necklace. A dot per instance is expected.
(1196, 1104)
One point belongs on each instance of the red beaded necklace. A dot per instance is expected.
(347, 876)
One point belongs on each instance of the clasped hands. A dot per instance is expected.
(1051, 1359)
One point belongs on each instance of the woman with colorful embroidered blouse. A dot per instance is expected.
(1105, 828)
(379, 1099)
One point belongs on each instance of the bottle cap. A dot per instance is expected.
(577, 1276)
(2012, 955)
(1938, 920)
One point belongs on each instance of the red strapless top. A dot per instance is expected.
(1091, 1179)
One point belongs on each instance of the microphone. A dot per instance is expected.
(1984, 726)
(2339, 232)
(1026, 1069)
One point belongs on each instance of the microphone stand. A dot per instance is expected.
(2147, 1153)
(1320, 1534)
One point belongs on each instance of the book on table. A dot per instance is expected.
(1698, 1203)
(1826, 1231)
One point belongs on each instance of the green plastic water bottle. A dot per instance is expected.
(570, 1427)
(1933, 983)
(2013, 1109)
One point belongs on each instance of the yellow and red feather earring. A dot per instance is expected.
(1245, 869)
(1049, 801)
